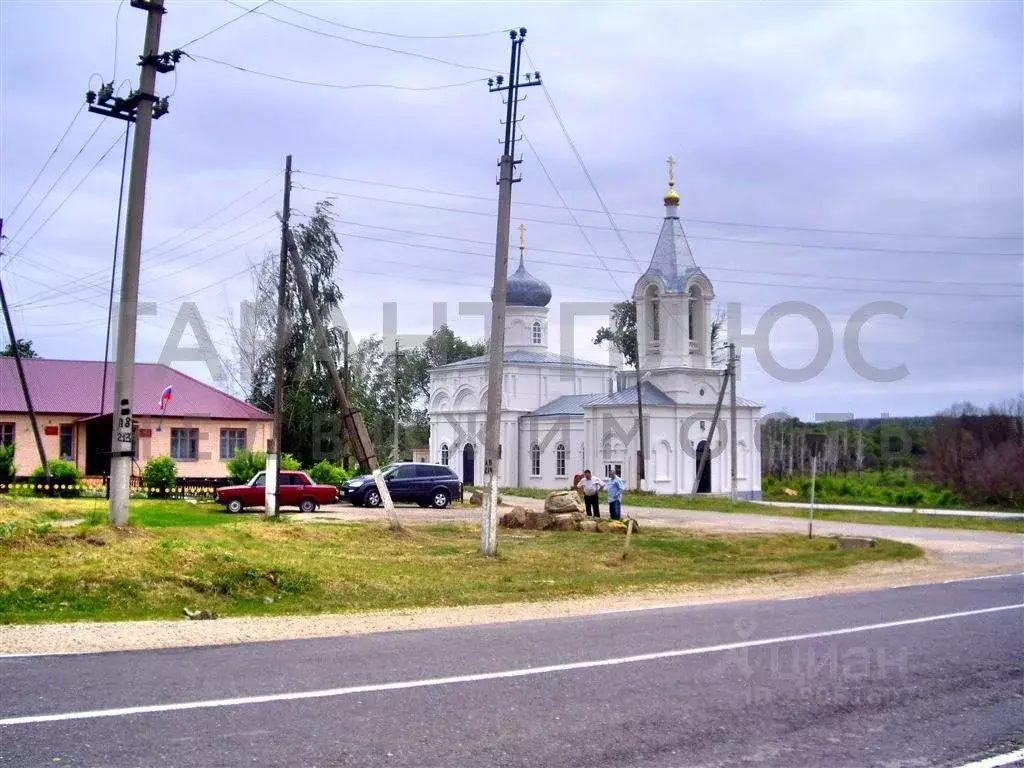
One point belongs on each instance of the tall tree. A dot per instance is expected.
(622, 335)
(310, 413)
(24, 348)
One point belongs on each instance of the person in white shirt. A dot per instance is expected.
(591, 487)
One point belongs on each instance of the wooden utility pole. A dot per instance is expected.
(355, 429)
(274, 457)
(732, 421)
(21, 376)
(140, 109)
(496, 352)
(394, 449)
(345, 383)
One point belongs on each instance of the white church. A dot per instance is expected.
(561, 415)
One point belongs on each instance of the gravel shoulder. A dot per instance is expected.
(950, 555)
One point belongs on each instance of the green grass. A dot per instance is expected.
(243, 565)
(721, 504)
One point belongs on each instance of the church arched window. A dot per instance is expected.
(535, 460)
(653, 314)
(537, 336)
(560, 460)
(696, 317)
(444, 454)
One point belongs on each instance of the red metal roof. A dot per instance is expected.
(73, 387)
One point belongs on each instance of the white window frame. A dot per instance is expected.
(535, 460)
(561, 454)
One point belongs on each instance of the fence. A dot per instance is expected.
(184, 487)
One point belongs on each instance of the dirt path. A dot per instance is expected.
(951, 554)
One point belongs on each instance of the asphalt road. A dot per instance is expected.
(916, 676)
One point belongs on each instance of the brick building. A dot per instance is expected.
(201, 427)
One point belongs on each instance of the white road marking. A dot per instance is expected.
(983, 578)
(604, 612)
(485, 676)
(998, 760)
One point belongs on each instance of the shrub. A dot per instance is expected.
(6, 462)
(328, 473)
(61, 473)
(160, 474)
(247, 463)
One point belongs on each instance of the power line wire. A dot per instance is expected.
(228, 23)
(49, 157)
(390, 34)
(742, 241)
(336, 86)
(66, 198)
(691, 220)
(83, 280)
(535, 249)
(363, 44)
(840, 289)
(113, 263)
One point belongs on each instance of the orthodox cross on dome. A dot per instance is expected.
(671, 196)
(522, 242)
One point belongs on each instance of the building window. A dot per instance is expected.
(560, 460)
(444, 454)
(67, 442)
(232, 441)
(609, 467)
(537, 336)
(185, 444)
(7, 433)
(535, 460)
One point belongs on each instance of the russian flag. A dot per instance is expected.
(165, 396)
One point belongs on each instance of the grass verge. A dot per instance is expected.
(242, 565)
(720, 504)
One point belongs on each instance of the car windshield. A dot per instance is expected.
(390, 472)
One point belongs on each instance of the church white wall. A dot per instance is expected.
(547, 433)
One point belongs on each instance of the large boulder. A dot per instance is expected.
(589, 525)
(562, 522)
(538, 521)
(558, 502)
(514, 518)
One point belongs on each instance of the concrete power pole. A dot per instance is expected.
(274, 456)
(139, 107)
(496, 352)
(733, 437)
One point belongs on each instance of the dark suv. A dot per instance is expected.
(429, 485)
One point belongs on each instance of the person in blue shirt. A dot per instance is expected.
(615, 487)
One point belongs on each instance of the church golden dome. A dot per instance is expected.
(671, 197)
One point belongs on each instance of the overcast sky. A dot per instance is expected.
(832, 154)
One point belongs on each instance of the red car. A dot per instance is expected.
(297, 490)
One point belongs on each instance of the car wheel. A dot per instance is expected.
(235, 506)
(372, 498)
(440, 499)
(307, 505)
